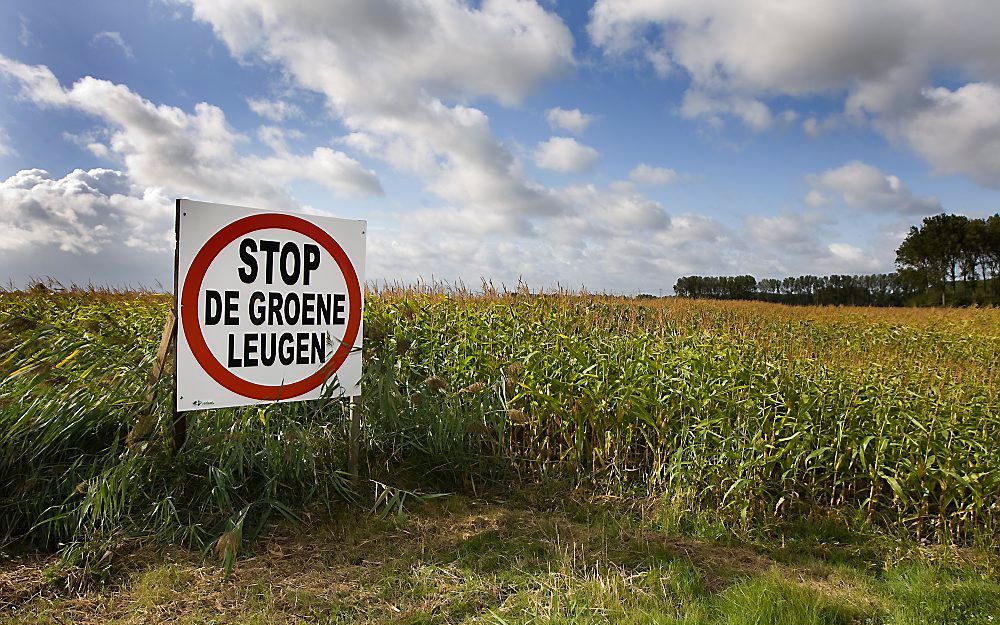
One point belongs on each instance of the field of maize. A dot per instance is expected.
(755, 413)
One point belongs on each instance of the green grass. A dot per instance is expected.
(462, 561)
(926, 595)
(775, 600)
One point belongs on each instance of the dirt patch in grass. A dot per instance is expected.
(23, 580)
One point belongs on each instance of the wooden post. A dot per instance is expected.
(169, 333)
(354, 443)
(147, 421)
(180, 428)
(178, 420)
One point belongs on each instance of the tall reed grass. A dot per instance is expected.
(74, 370)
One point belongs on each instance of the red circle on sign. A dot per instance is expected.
(196, 276)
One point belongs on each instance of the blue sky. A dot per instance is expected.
(710, 138)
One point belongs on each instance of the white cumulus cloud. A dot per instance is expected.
(880, 57)
(866, 188)
(815, 198)
(712, 108)
(649, 175)
(82, 212)
(566, 155)
(403, 75)
(799, 243)
(958, 132)
(572, 120)
(275, 110)
(853, 258)
(407, 81)
(607, 238)
(90, 226)
(191, 154)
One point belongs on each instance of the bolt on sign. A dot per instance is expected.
(269, 306)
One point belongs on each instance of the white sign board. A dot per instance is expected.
(268, 304)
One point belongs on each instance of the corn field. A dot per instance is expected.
(755, 410)
(750, 411)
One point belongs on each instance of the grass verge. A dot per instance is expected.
(457, 560)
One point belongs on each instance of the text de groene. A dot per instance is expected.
(265, 261)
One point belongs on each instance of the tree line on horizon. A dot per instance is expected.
(946, 260)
